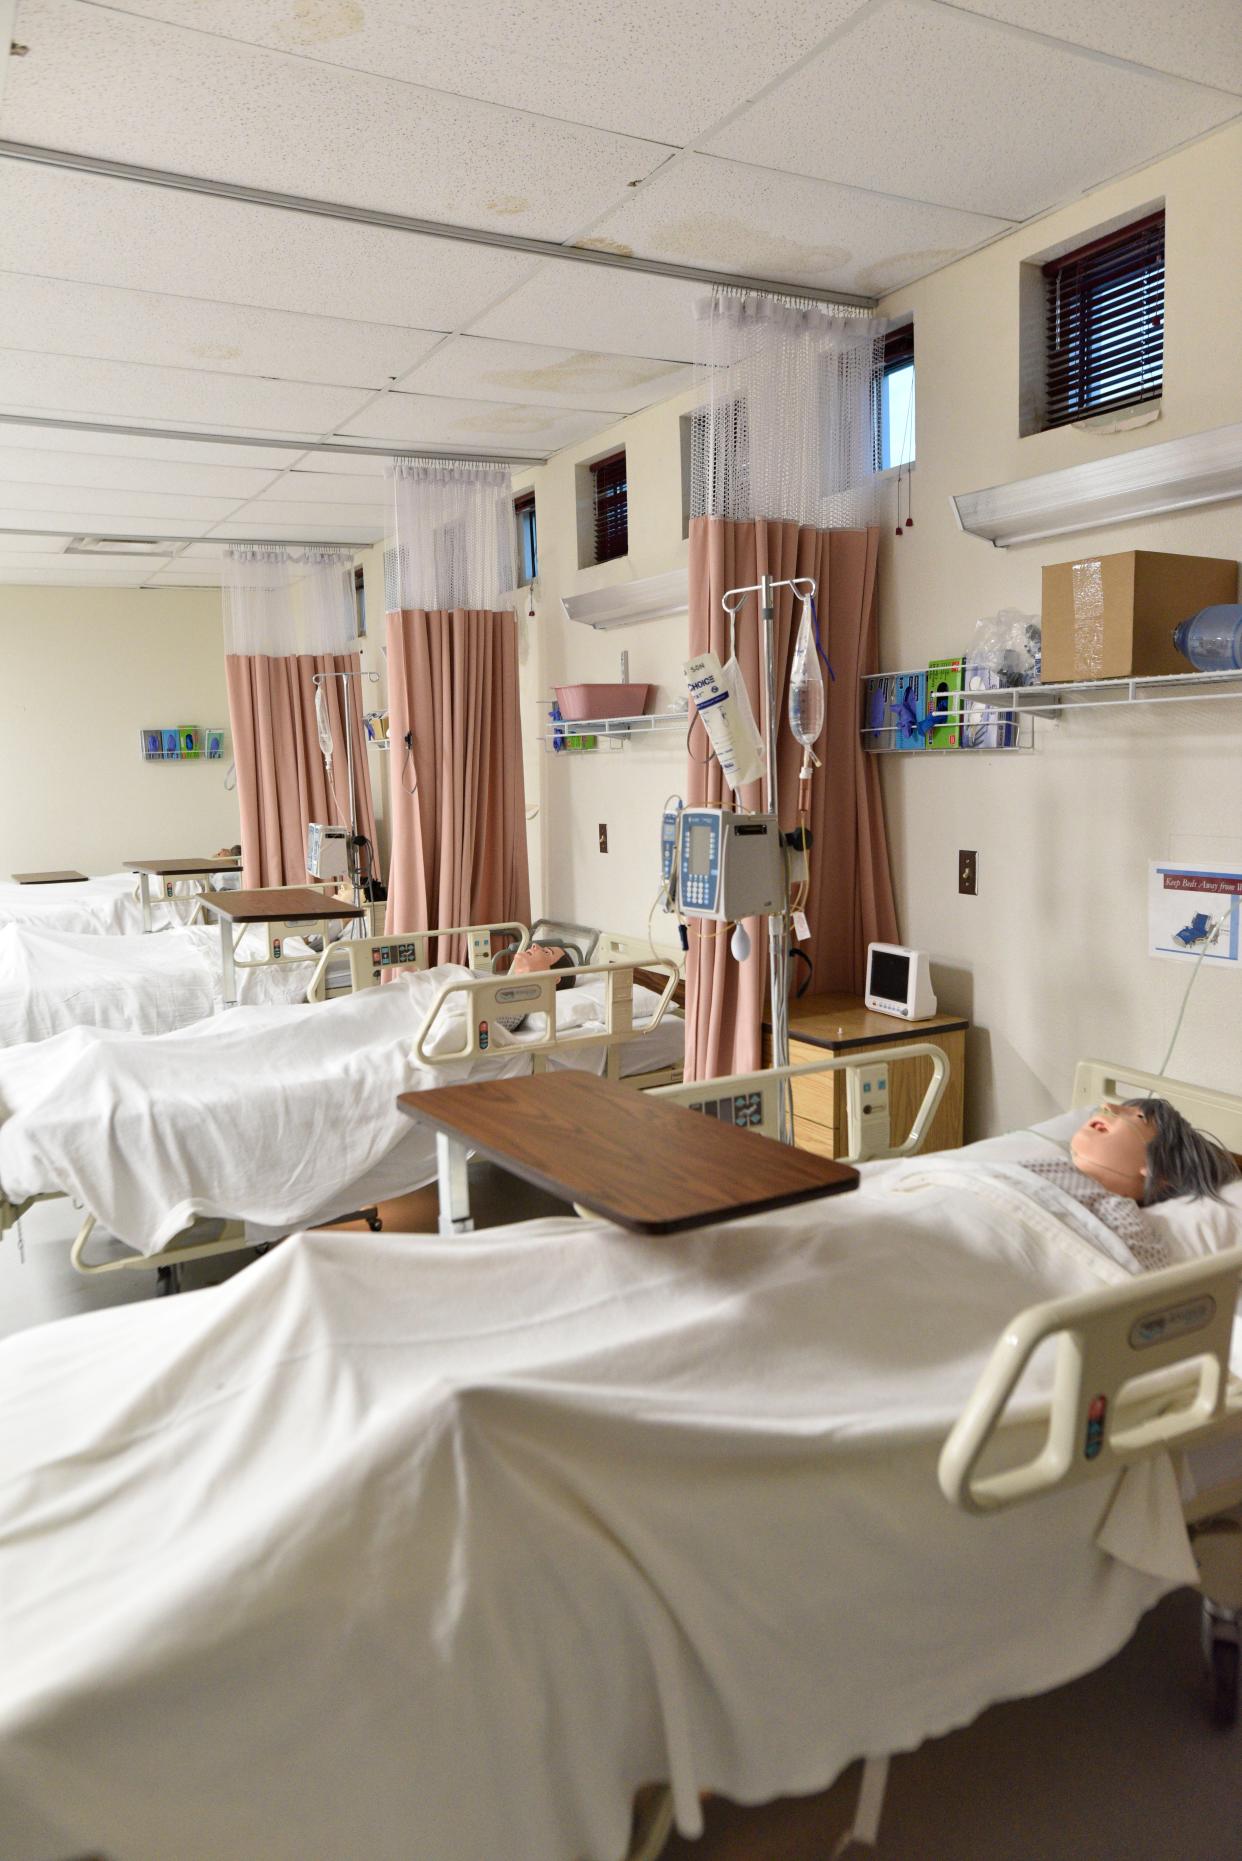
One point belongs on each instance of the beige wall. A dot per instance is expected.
(1050, 957)
(623, 789)
(84, 670)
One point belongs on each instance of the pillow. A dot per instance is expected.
(1196, 1225)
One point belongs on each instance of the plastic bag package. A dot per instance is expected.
(1007, 644)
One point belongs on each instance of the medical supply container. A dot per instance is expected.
(1212, 640)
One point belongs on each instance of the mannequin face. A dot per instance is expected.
(536, 958)
(1111, 1148)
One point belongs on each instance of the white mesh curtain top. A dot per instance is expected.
(455, 535)
(279, 601)
(788, 430)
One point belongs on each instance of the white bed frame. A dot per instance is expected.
(366, 960)
(1141, 1369)
(484, 1000)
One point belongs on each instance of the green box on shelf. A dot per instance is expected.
(188, 740)
(944, 703)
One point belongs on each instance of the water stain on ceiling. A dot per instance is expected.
(888, 273)
(582, 373)
(721, 243)
(315, 22)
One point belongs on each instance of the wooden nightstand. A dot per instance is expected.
(824, 1025)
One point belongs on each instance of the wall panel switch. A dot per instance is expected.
(603, 836)
(967, 874)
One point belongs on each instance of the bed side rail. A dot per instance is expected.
(485, 1000)
(1209, 1109)
(1140, 1368)
(753, 1099)
(583, 937)
(367, 958)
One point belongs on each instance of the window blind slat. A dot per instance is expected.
(611, 507)
(1104, 324)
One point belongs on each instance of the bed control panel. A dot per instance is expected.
(866, 1099)
(744, 1109)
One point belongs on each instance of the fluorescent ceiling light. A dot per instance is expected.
(115, 546)
(627, 602)
(1205, 468)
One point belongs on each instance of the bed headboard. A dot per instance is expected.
(1217, 1113)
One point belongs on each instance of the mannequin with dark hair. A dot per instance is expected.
(1145, 1149)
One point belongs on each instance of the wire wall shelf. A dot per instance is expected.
(182, 743)
(573, 736)
(1003, 718)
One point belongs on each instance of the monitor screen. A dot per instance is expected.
(889, 976)
(700, 850)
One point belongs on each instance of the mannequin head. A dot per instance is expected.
(1144, 1149)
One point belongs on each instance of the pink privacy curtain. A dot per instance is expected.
(459, 839)
(281, 784)
(851, 898)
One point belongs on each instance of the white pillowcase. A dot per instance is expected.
(1197, 1225)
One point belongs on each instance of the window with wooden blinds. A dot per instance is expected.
(612, 527)
(1104, 323)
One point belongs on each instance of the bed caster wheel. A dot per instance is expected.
(1223, 1675)
(372, 1218)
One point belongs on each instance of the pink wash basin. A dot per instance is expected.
(589, 701)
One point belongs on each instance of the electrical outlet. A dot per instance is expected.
(967, 874)
(603, 836)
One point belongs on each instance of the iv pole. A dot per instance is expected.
(347, 714)
(804, 588)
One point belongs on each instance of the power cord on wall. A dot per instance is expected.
(1210, 936)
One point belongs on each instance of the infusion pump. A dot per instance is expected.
(729, 866)
(327, 851)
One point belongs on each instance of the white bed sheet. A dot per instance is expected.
(51, 980)
(107, 905)
(278, 1116)
(395, 1546)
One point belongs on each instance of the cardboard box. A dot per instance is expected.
(1113, 616)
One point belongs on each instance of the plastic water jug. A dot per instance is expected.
(1212, 639)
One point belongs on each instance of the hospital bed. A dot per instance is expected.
(107, 905)
(281, 1117)
(558, 1511)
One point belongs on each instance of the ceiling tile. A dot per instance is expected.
(365, 464)
(1202, 41)
(352, 517)
(532, 374)
(24, 545)
(57, 316)
(113, 503)
(19, 465)
(74, 572)
(97, 442)
(343, 488)
(938, 105)
(587, 307)
(108, 84)
(424, 420)
(265, 532)
(79, 522)
(622, 68)
(731, 216)
(63, 225)
(128, 391)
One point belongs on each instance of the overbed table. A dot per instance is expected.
(633, 1159)
(49, 878)
(193, 868)
(275, 904)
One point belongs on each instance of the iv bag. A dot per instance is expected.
(806, 685)
(325, 728)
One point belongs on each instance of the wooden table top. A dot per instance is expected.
(839, 1022)
(167, 868)
(49, 878)
(279, 904)
(634, 1159)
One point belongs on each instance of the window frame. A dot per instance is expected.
(1128, 266)
(526, 520)
(610, 538)
(898, 354)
